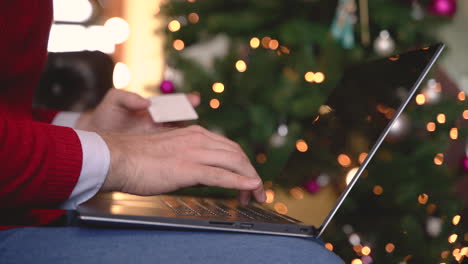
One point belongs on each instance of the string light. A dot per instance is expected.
(241, 66)
(351, 174)
(454, 133)
(444, 254)
(329, 246)
(456, 220)
(273, 44)
(319, 77)
(261, 158)
(309, 77)
(452, 238)
(420, 99)
(178, 44)
(297, 193)
(344, 160)
(377, 190)
(390, 247)
(439, 159)
(465, 114)
(266, 42)
(431, 127)
(193, 18)
(218, 87)
(461, 96)
(281, 208)
(431, 208)
(357, 248)
(362, 157)
(254, 43)
(118, 28)
(301, 145)
(270, 194)
(366, 251)
(121, 76)
(214, 103)
(423, 198)
(441, 118)
(356, 261)
(174, 26)
(284, 50)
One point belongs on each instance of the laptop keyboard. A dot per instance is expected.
(217, 208)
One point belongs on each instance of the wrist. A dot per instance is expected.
(84, 122)
(116, 174)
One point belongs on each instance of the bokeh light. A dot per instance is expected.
(241, 66)
(309, 77)
(273, 44)
(121, 76)
(174, 26)
(319, 77)
(362, 157)
(439, 159)
(254, 43)
(178, 44)
(193, 18)
(270, 196)
(214, 103)
(218, 87)
(377, 190)
(456, 219)
(431, 127)
(423, 198)
(461, 96)
(420, 99)
(344, 160)
(301, 145)
(454, 133)
(441, 118)
(390, 247)
(452, 238)
(281, 208)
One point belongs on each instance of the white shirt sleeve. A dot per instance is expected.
(96, 161)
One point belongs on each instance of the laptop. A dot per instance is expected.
(352, 124)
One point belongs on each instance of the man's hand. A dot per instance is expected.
(123, 112)
(156, 163)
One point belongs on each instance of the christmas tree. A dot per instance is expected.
(262, 67)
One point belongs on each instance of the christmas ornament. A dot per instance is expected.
(434, 226)
(342, 28)
(312, 186)
(417, 12)
(443, 7)
(166, 87)
(384, 45)
(276, 140)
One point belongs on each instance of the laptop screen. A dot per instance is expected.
(349, 126)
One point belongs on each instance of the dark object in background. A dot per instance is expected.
(74, 81)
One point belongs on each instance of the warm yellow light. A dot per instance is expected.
(297, 193)
(441, 118)
(454, 133)
(261, 158)
(420, 99)
(456, 220)
(461, 96)
(301, 145)
(309, 77)
(121, 76)
(444, 254)
(178, 44)
(356, 261)
(452, 238)
(377, 190)
(344, 160)
(389, 247)
(241, 66)
(439, 159)
(431, 208)
(266, 42)
(273, 44)
(174, 26)
(270, 196)
(191, 1)
(423, 198)
(254, 43)
(325, 109)
(214, 103)
(193, 18)
(431, 127)
(357, 248)
(285, 50)
(329, 246)
(218, 87)
(464, 251)
(362, 157)
(118, 28)
(350, 175)
(465, 114)
(366, 251)
(319, 77)
(281, 208)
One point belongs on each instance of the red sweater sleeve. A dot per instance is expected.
(44, 115)
(40, 163)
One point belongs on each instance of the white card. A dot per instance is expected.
(171, 108)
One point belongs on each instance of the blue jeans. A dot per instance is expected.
(107, 245)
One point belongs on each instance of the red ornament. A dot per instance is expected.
(443, 7)
(312, 186)
(167, 87)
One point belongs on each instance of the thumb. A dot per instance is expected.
(132, 101)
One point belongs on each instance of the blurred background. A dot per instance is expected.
(261, 68)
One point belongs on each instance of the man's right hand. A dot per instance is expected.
(158, 163)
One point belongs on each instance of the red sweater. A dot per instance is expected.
(39, 163)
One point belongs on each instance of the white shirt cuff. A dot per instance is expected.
(96, 161)
(66, 119)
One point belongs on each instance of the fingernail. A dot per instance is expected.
(252, 183)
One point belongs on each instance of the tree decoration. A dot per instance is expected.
(312, 186)
(443, 7)
(167, 87)
(342, 28)
(384, 45)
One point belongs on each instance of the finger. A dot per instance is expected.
(259, 194)
(244, 197)
(214, 136)
(130, 101)
(194, 99)
(217, 177)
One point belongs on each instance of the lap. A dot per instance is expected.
(106, 245)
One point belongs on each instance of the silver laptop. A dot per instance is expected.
(337, 145)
